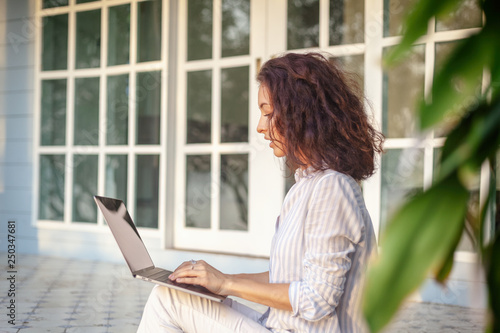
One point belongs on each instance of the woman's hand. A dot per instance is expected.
(253, 287)
(201, 273)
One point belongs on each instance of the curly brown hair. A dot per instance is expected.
(320, 115)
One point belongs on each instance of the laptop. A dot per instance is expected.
(135, 253)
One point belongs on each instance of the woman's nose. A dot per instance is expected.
(262, 125)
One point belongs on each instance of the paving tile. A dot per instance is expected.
(77, 296)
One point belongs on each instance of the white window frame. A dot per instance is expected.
(101, 150)
(262, 212)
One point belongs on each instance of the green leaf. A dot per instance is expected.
(458, 70)
(444, 269)
(415, 24)
(473, 140)
(418, 238)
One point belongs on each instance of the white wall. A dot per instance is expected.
(17, 41)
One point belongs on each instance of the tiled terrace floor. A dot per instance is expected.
(66, 295)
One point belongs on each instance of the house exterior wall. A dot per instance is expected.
(17, 50)
(17, 100)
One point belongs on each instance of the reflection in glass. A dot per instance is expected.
(403, 87)
(235, 27)
(116, 177)
(354, 66)
(86, 121)
(88, 39)
(53, 120)
(51, 187)
(302, 24)
(117, 110)
(394, 15)
(402, 178)
(467, 15)
(234, 104)
(54, 3)
(55, 42)
(347, 21)
(198, 191)
(199, 106)
(148, 96)
(84, 188)
(146, 185)
(149, 30)
(119, 35)
(234, 192)
(442, 52)
(199, 29)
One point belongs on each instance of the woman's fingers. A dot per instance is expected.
(188, 269)
(199, 273)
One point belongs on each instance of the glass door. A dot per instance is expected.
(219, 203)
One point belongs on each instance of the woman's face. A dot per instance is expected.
(265, 123)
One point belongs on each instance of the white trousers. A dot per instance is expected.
(169, 310)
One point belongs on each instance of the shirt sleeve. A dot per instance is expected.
(332, 229)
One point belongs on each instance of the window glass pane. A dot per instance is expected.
(496, 225)
(148, 98)
(234, 192)
(84, 188)
(442, 52)
(394, 15)
(436, 163)
(198, 191)
(199, 106)
(235, 27)
(354, 65)
(117, 110)
(402, 177)
(403, 86)
(86, 122)
(55, 42)
(116, 177)
(467, 242)
(119, 35)
(199, 29)
(88, 39)
(54, 3)
(146, 185)
(53, 122)
(302, 24)
(51, 191)
(347, 21)
(84, 1)
(289, 175)
(234, 104)
(149, 31)
(467, 15)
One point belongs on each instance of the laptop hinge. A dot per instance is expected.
(143, 271)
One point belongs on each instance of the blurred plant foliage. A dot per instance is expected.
(423, 235)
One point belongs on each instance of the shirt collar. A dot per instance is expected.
(304, 173)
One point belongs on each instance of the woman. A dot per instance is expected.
(324, 235)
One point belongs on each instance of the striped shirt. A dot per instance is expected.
(323, 239)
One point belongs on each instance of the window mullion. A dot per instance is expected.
(324, 11)
(373, 73)
(70, 109)
(163, 179)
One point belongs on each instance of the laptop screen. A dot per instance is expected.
(126, 235)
